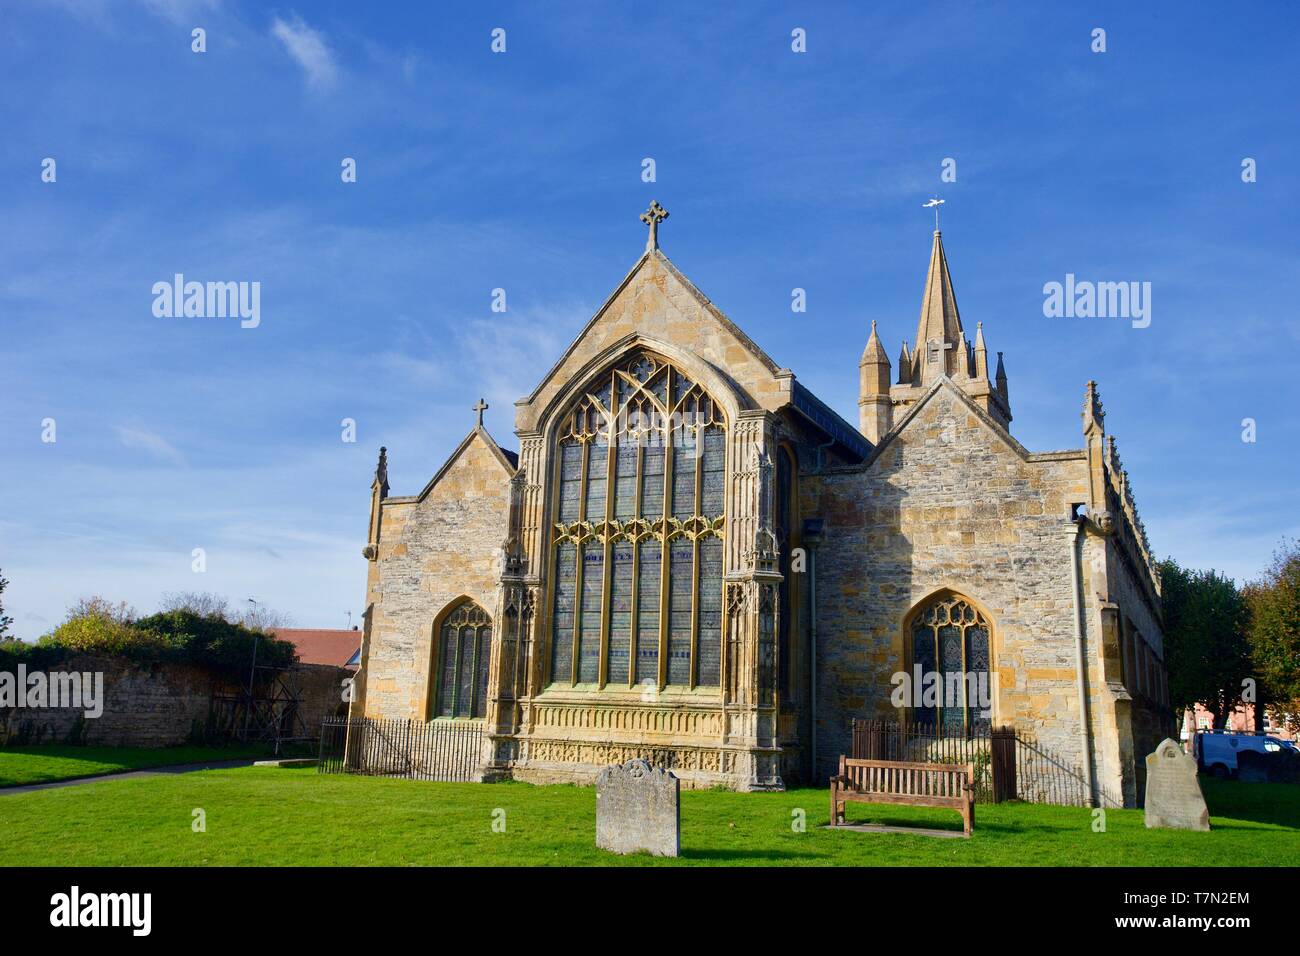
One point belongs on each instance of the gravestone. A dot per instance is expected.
(1276, 766)
(1284, 767)
(1173, 798)
(1252, 766)
(638, 809)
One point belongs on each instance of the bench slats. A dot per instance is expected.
(907, 783)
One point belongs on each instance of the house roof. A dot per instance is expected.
(321, 645)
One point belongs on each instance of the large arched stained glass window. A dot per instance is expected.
(637, 538)
(463, 643)
(950, 650)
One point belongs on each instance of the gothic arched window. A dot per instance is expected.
(950, 645)
(639, 510)
(463, 643)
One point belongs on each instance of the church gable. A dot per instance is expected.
(950, 485)
(450, 534)
(431, 551)
(948, 454)
(947, 415)
(656, 307)
(477, 465)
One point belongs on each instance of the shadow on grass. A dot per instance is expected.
(1277, 804)
(755, 855)
(906, 822)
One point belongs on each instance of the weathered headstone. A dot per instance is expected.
(1252, 766)
(1284, 767)
(638, 809)
(1173, 797)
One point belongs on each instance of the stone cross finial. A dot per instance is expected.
(652, 217)
(480, 407)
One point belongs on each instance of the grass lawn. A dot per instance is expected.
(43, 763)
(271, 816)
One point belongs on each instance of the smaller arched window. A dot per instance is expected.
(463, 643)
(950, 649)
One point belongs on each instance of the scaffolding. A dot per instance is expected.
(265, 710)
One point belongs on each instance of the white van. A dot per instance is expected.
(1216, 753)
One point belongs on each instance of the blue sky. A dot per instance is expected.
(522, 171)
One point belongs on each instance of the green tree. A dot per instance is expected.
(1206, 648)
(1274, 634)
(5, 622)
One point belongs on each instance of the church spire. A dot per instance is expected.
(941, 349)
(938, 331)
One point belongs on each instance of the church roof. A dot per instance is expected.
(828, 420)
(939, 321)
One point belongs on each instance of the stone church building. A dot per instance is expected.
(693, 559)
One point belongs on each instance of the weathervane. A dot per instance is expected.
(934, 204)
(652, 217)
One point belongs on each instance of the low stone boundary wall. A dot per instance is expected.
(154, 704)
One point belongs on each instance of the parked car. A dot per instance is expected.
(1216, 753)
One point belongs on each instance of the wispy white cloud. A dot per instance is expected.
(149, 442)
(512, 351)
(309, 49)
(181, 11)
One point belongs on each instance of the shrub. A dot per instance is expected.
(181, 636)
(96, 606)
(95, 634)
(211, 640)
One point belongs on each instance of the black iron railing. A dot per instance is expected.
(1009, 764)
(449, 750)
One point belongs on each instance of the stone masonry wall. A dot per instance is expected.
(320, 693)
(948, 504)
(145, 705)
(1152, 721)
(432, 552)
(154, 705)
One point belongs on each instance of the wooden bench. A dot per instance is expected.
(904, 782)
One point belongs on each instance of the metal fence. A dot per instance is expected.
(1009, 764)
(422, 750)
